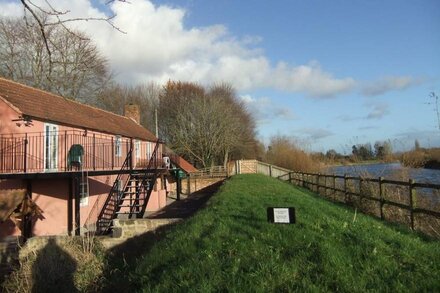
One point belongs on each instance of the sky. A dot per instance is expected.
(329, 73)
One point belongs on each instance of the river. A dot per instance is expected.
(388, 170)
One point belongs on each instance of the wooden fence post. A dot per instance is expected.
(412, 194)
(381, 197)
(317, 183)
(345, 188)
(334, 188)
(290, 177)
(360, 191)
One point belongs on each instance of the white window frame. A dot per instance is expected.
(148, 151)
(52, 132)
(137, 148)
(84, 197)
(118, 146)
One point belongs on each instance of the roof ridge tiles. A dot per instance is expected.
(60, 96)
(50, 107)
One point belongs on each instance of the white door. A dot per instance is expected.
(50, 147)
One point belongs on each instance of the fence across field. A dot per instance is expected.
(355, 191)
(411, 203)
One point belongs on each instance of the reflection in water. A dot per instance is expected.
(395, 171)
(389, 171)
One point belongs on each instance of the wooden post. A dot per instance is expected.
(360, 191)
(381, 195)
(188, 182)
(178, 187)
(317, 183)
(334, 188)
(290, 177)
(412, 195)
(270, 170)
(345, 188)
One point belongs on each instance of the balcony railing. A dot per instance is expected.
(69, 151)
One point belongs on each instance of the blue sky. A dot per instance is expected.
(330, 73)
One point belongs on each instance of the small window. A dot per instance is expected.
(84, 192)
(148, 150)
(137, 149)
(118, 147)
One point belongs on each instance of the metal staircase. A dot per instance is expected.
(130, 194)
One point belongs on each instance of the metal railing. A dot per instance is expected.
(49, 152)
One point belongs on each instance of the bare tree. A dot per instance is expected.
(44, 16)
(74, 70)
(205, 126)
(146, 96)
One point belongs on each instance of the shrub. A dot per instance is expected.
(285, 152)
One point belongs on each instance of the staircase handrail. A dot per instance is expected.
(150, 169)
(114, 188)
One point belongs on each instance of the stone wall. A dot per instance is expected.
(133, 227)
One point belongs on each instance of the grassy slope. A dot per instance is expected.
(230, 246)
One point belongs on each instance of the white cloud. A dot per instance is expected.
(390, 83)
(315, 134)
(379, 111)
(158, 46)
(263, 109)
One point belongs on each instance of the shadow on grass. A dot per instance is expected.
(123, 258)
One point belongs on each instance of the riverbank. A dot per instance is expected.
(230, 246)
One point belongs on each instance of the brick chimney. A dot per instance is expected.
(133, 112)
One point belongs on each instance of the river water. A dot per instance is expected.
(389, 171)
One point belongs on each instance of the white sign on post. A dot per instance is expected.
(281, 215)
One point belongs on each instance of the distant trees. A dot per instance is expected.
(383, 150)
(362, 151)
(75, 68)
(205, 125)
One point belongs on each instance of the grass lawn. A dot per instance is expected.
(229, 246)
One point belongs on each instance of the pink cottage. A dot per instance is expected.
(69, 168)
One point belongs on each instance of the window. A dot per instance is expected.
(137, 149)
(50, 147)
(148, 151)
(84, 191)
(118, 146)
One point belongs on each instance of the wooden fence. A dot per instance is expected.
(410, 196)
(411, 203)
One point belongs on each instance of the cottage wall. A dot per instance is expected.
(52, 195)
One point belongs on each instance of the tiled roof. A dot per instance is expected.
(179, 161)
(42, 105)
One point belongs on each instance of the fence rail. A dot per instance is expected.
(354, 191)
(214, 171)
(411, 203)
